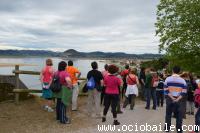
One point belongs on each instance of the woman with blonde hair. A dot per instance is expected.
(132, 88)
(46, 77)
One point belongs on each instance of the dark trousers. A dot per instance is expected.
(102, 95)
(150, 92)
(160, 98)
(118, 105)
(130, 99)
(177, 109)
(124, 89)
(197, 120)
(111, 99)
(61, 111)
(143, 93)
(184, 104)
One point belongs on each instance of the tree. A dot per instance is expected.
(157, 64)
(178, 26)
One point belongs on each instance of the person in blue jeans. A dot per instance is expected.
(150, 90)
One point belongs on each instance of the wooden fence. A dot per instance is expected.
(18, 90)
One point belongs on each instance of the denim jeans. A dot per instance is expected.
(150, 92)
(175, 107)
(61, 111)
(197, 120)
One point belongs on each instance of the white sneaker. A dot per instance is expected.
(50, 109)
(45, 107)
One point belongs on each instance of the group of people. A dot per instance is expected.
(107, 90)
(114, 86)
(178, 90)
(66, 97)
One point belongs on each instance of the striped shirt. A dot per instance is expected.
(175, 85)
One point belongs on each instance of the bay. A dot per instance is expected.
(32, 81)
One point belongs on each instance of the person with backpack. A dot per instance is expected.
(175, 88)
(62, 91)
(150, 85)
(112, 82)
(124, 73)
(74, 75)
(132, 89)
(94, 85)
(160, 91)
(46, 76)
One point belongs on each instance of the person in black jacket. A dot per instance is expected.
(190, 95)
(160, 91)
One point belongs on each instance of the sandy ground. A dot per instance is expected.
(28, 117)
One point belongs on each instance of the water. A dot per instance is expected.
(33, 81)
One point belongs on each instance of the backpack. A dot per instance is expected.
(56, 86)
(197, 98)
(160, 84)
(91, 84)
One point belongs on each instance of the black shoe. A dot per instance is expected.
(103, 119)
(154, 108)
(147, 108)
(188, 113)
(116, 122)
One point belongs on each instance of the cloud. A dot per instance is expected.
(85, 25)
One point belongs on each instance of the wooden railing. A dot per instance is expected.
(17, 90)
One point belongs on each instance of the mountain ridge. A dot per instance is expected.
(72, 53)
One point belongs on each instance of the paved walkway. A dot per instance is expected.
(136, 118)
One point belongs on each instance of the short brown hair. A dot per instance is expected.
(112, 69)
(49, 62)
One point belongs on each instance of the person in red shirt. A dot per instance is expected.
(124, 73)
(112, 82)
(132, 89)
(46, 76)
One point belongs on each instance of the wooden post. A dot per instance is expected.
(17, 84)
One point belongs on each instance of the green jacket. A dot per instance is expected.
(65, 94)
(148, 81)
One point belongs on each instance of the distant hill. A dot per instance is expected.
(71, 53)
(28, 53)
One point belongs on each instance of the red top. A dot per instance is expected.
(131, 79)
(112, 83)
(125, 72)
(47, 74)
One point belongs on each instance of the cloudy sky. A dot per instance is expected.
(84, 25)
